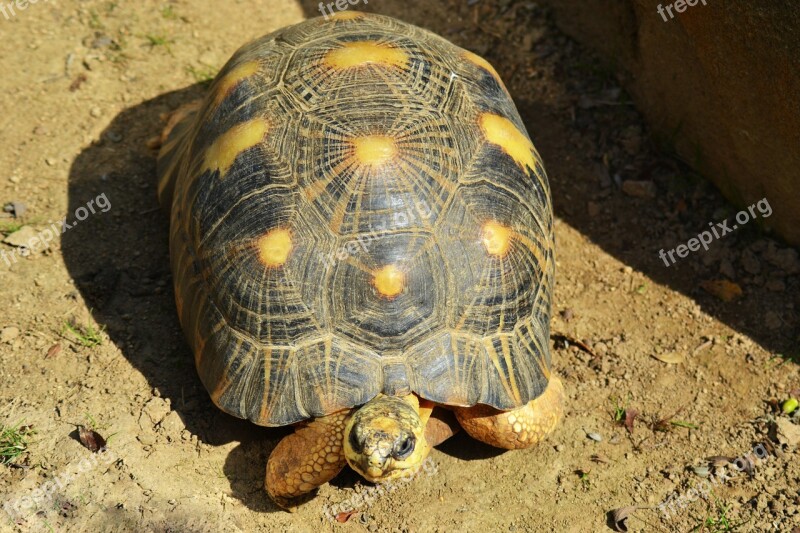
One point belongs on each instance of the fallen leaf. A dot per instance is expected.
(53, 351)
(571, 340)
(630, 418)
(91, 439)
(344, 516)
(77, 82)
(725, 290)
(671, 358)
(620, 517)
(719, 460)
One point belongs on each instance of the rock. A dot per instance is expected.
(603, 177)
(775, 285)
(786, 259)
(750, 262)
(8, 334)
(102, 41)
(18, 209)
(772, 320)
(787, 432)
(96, 112)
(156, 409)
(726, 269)
(147, 439)
(22, 238)
(639, 189)
(209, 58)
(172, 423)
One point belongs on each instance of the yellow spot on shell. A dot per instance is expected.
(274, 247)
(233, 78)
(497, 240)
(502, 132)
(221, 155)
(389, 281)
(363, 53)
(347, 15)
(374, 150)
(480, 62)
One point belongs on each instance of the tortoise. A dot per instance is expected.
(361, 240)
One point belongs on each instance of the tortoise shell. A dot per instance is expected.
(356, 208)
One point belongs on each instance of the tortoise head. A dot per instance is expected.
(385, 438)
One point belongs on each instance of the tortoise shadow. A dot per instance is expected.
(119, 260)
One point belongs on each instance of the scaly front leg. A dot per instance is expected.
(306, 459)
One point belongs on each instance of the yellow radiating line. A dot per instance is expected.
(510, 365)
(262, 415)
(487, 343)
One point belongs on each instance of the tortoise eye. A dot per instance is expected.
(404, 448)
(354, 443)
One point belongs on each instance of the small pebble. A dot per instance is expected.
(96, 112)
(9, 333)
(595, 437)
(701, 471)
(640, 189)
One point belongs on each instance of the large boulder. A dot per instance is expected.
(720, 82)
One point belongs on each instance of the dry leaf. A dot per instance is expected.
(725, 290)
(671, 358)
(620, 517)
(344, 516)
(719, 460)
(91, 439)
(53, 351)
(630, 418)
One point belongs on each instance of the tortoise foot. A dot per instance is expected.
(518, 428)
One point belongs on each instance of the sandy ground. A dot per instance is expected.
(83, 86)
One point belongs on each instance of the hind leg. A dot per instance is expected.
(519, 428)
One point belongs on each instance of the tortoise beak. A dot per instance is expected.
(373, 465)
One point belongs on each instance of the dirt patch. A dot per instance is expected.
(89, 335)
